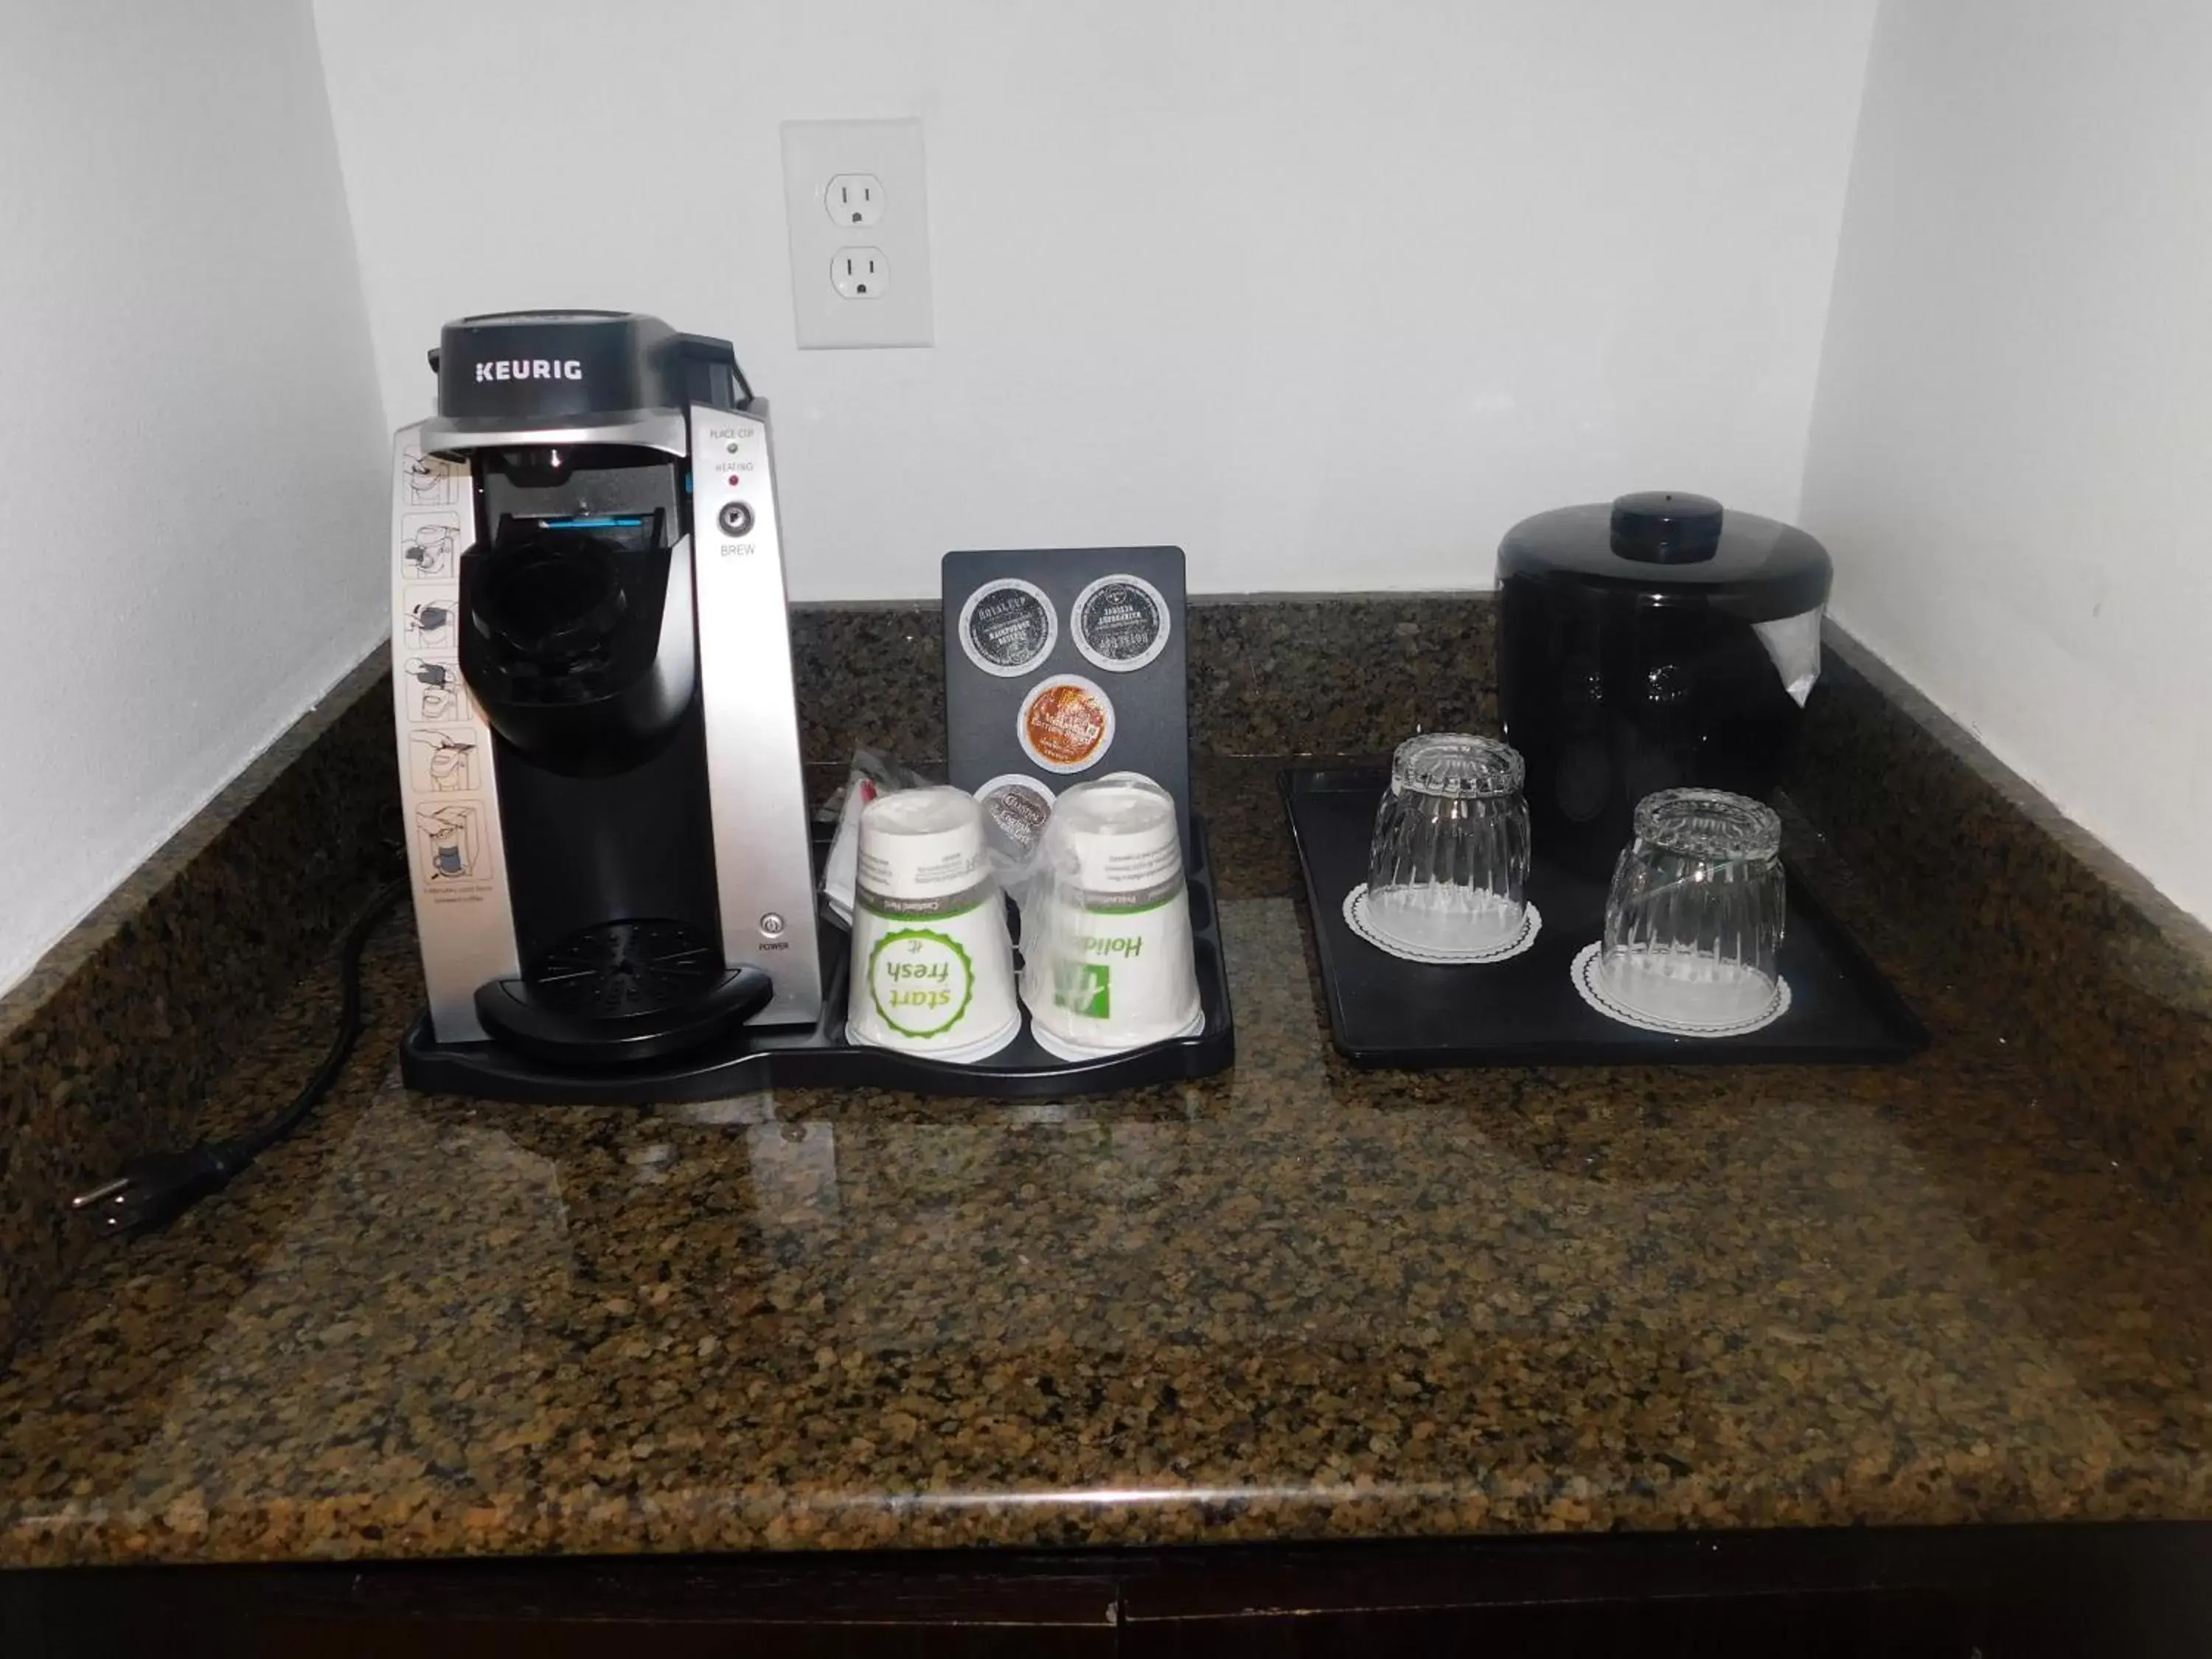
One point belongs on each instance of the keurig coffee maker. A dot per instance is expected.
(597, 740)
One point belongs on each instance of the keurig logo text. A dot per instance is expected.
(531, 368)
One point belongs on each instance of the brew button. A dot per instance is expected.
(736, 518)
(771, 925)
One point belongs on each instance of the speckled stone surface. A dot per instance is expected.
(1329, 674)
(1293, 1301)
(2101, 982)
(109, 1046)
(869, 675)
(112, 1043)
(1270, 674)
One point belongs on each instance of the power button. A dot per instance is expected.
(771, 925)
(735, 519)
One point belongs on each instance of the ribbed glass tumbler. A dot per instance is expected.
(1448, 868)
(1694, 920)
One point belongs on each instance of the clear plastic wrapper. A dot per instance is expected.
(933, 966)
(872, 776)
(1107, 958)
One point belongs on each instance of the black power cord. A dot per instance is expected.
(156, 1189)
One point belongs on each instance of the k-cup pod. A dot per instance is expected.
(1120, 623)
(1015, 812)
(1106, 945)
(1066, 724)
(1008, 627)
(933, 965)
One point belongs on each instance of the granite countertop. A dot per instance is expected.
(1293, 1301)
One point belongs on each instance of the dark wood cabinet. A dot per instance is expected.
(1827, 1625)
(1851, 1595)
(2106, 1592)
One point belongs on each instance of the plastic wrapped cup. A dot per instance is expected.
(1106, 949)
(933, 965)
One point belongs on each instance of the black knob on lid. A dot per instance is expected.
(1664, 527)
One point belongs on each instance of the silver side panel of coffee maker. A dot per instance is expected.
(447, 793)
(763, 868)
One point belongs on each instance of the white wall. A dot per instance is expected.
(1330, 292)
(2012, 459)
(192, 507)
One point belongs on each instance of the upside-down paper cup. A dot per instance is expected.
(1108, 964)
(933, 966)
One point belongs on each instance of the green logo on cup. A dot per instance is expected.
(920, 980)
(1085, 990)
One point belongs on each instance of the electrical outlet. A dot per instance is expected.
(854, 198)
(843, 176)
(859, 273)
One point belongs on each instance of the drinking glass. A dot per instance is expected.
(1448, 868)
(1695, 919)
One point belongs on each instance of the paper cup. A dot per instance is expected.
(1107, 961)
(932, 967)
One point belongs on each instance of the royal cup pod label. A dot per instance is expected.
(1120, 623)
(1008, 627)
(922, 982)
(1066, 724)
(1015, 811)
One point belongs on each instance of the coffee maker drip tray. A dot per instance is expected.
(817, 1056)
(623, 991)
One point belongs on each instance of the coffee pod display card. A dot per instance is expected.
(1063, 665)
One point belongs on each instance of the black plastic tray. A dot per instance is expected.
(820, 1058)
(1385, 1011)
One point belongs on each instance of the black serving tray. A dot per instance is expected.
(820, 1058)
(1525, 1011)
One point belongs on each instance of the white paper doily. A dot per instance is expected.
(1356, 918)
(1586, 981)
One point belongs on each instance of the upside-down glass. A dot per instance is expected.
(1695, 919)
(1449, 865)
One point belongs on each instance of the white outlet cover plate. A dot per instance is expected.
(816, 152)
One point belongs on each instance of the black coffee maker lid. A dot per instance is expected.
(1670, 542)
(529, 368)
